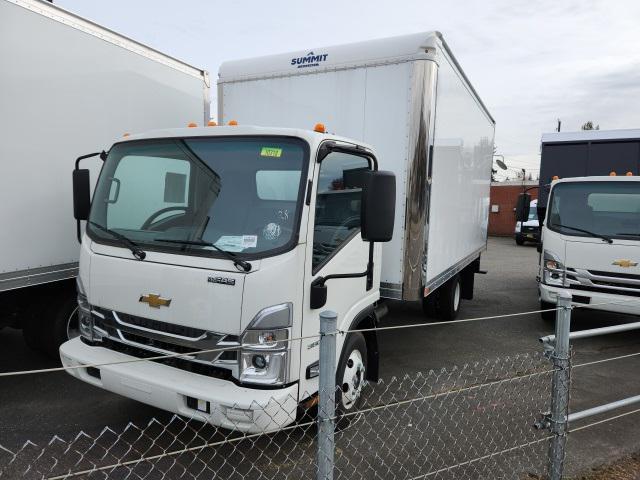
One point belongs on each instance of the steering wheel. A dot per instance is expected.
(149, 221)
(347, 223)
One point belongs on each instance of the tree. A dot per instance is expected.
(589, 126)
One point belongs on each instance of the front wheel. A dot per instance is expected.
(520, 240)
(350, 375)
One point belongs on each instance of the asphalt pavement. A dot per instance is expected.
(37, 407)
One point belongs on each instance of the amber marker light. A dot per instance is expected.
(319, 128)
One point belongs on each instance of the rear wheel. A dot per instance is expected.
(449, 299)
(549, 316)
(430, 305)
(32, 327)
(62, 324)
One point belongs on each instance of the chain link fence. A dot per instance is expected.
(472, 421)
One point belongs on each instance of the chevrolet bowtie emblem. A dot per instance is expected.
(155, 301)
(625, 263)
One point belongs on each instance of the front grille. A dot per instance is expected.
(606, 290)
(156, 325)
(143, 337)
(628, 276)
(176, 362)
(604, 282)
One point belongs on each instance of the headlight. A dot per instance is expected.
(518, 227)
(85, 320)
(553, 272)
(264, 355)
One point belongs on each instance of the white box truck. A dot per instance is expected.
(68, 86)
(590, 203)
(237, 236)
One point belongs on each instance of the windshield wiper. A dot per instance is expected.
(596, 235)
(246, 266)
(135, 249)
(624, 234)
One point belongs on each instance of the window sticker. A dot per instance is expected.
(230, 243)
(249, 241)
(271, 152)
(237, 243)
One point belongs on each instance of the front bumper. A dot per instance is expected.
(528, 236)
(231, 406)
(593, 300)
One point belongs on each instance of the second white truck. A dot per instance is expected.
(590, 203)
(236, 237)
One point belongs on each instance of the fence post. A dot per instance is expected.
(560, 388)
(326, 393)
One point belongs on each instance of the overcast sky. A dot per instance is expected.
(532, 62)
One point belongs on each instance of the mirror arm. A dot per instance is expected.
(103, 157)
(320, 281)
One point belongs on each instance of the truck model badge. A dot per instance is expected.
(222, 280)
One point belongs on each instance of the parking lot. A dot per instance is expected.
(36, 407)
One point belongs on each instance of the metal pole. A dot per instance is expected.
(326, 393)
(590, 412)
(560, 388)
(594, 332)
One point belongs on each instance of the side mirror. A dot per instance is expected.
(81, 194)
(378, 209)
(522, 207)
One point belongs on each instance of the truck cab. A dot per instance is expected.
(591, 244)
(217, 247)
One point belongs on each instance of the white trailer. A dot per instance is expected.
(236, 236)
(68, 87)
(410, 99)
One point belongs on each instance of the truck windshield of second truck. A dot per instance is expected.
(596, 209)
(202, 196)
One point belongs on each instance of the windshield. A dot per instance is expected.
(603, 208)
(242, 194)
(533, 213)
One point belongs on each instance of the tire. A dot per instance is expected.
(350, 375)
(449, 299)
(430, 305)
(519, 240)
(549, 317)
(62, 322)
(32, 328)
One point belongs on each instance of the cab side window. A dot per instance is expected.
(338, 200)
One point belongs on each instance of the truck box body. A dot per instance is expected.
(69, 86)
(587, 153)
(409, 98)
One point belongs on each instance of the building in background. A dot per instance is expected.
(504, 195)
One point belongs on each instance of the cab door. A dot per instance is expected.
(334, 246)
